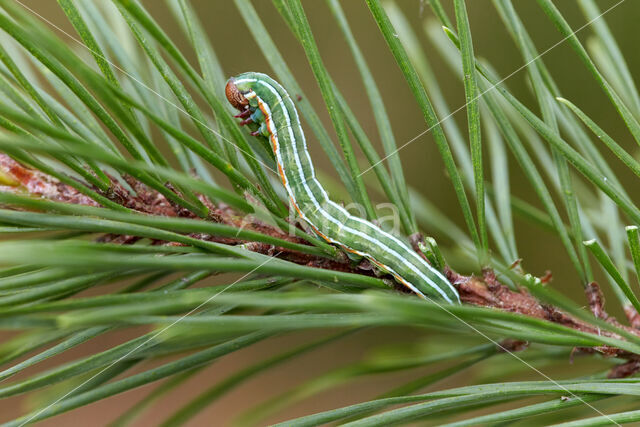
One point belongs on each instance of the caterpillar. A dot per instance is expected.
(263, 101)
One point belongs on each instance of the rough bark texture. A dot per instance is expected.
(36, 183)
(485, 291)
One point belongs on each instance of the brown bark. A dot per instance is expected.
(485, 291)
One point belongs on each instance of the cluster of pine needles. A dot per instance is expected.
(133, 205)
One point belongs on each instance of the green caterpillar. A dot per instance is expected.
(262, 100)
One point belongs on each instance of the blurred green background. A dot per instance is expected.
(423, 167)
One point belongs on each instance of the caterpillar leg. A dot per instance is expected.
(358, 259)
(367, 265)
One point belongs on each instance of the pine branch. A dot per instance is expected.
(485, 291)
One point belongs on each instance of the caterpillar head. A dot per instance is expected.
(235, 95)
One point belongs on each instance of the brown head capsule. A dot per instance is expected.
(235, 97)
